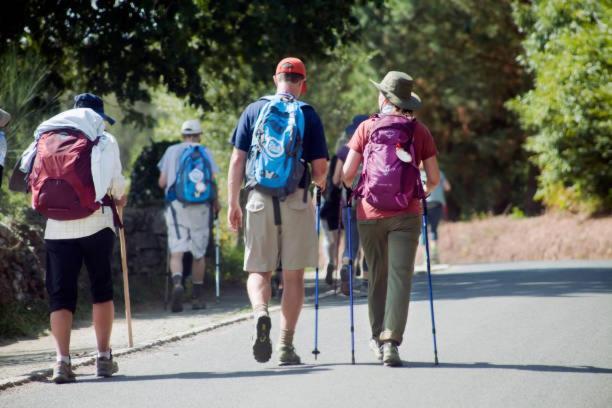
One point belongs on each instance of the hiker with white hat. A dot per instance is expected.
(187, 175)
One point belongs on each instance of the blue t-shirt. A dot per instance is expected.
(314, 143)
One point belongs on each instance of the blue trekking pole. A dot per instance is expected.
(217, 260)
(431, 307)
(316, 351)
(350, 265)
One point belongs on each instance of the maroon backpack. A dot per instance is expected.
(387, 182)
(61, 181)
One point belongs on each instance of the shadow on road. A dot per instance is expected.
(531, 282)
(203, 375)
(526, 367)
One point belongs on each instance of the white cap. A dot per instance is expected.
(191, 127)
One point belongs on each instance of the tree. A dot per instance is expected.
(110, 46)
(462, 55)
(568, 49)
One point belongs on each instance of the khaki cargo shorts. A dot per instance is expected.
(188, 228)
(293, 243)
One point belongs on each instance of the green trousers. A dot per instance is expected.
(390, 246)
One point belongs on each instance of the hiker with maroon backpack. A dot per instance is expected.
(74, 174)
(391, 145)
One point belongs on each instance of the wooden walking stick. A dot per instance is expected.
(126, 284)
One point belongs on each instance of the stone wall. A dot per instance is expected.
(146, 241)
(22, 253)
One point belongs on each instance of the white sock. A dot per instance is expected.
(60, 358)
(105, 354)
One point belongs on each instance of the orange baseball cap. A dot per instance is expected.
(291, 65)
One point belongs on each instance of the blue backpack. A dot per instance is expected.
(194, 183)
(274, 163)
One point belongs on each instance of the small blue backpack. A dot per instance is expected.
(274, 163)
(194, 177)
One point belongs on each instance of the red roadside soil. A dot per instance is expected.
(547, 237)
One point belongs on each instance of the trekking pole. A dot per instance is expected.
(316, 351)
(167, 277)
(350, 251)
(431, 307)
(126, 284)
(338, 256)
(217, 258)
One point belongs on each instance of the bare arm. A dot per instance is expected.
(446, 185)
(163, 180)
(319, 171)
(433, 173)
(234, 182)
(337, 177)
(350, 167)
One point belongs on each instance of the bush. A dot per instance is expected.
(568, 48)
(144, 190)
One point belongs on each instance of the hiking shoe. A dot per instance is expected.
(390, 355)
(287, 356)
(344, 280)
(376, 348)
(177, 298)
(106, 367)
(62, 373)
(262, 346)
(198, 304)
(329, 276)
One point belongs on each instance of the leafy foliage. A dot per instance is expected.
(109, 46)
(462, 55)
(568, 48)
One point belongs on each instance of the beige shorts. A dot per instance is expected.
(191, 231)
(293, 243)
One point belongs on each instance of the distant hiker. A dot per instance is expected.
(187, 175)
(342, 151)
(330, 220)
(436, 202)
(393, 143)
(5, 118)
(74, 174)
(275, 139)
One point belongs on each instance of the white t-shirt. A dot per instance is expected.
(169, 162)
(103, 218)
(3, 148)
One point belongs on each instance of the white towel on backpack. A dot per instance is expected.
(105, 160)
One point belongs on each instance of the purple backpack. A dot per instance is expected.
(386, 182)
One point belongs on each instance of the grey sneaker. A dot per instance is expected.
(391, 356)
(177, 298)
(106, 367)
(262, 346)
(376, 348)
(197, 299)
(287, 356)
(62, 373)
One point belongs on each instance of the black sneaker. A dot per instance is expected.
(329, 276)
(344, 278)
(262, 346)
(177, 298)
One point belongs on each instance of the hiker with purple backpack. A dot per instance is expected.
(391, 145)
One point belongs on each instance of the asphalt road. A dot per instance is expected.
(509, 335)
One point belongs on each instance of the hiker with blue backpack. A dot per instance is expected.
(73, 170)
(275, 139)
(187, 175)
(391, 144)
